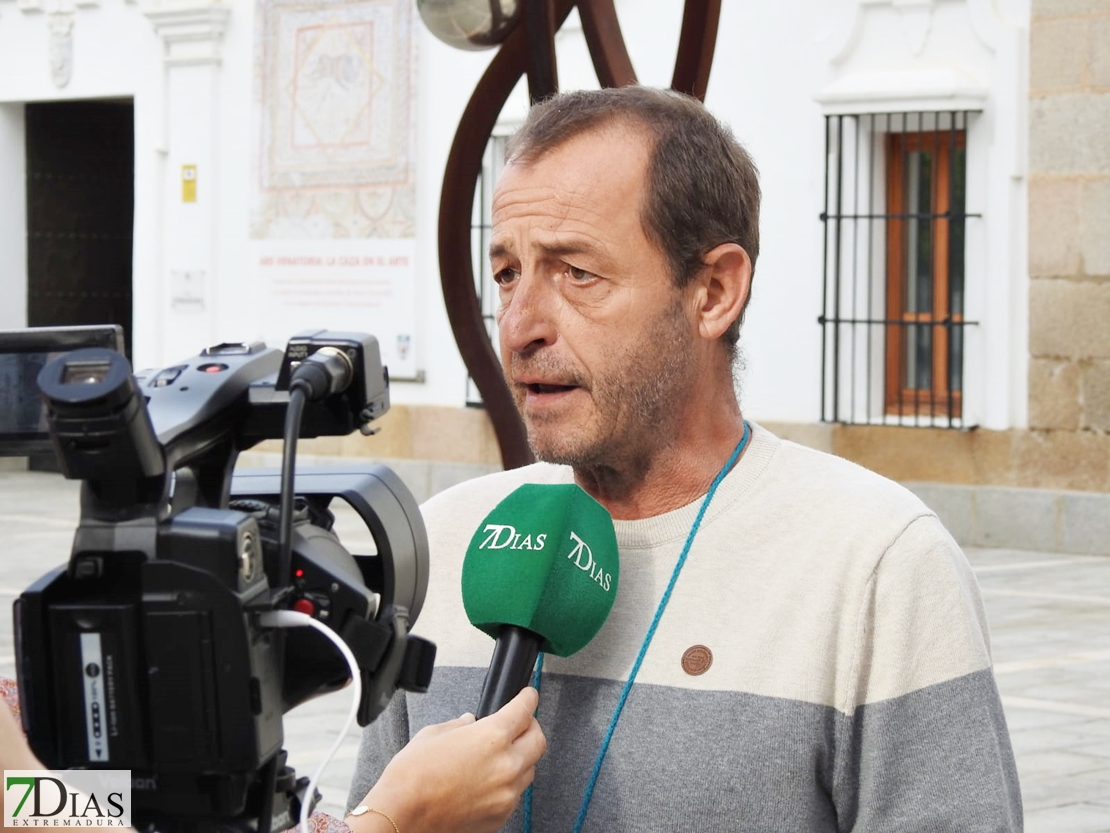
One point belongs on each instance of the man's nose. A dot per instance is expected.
(528, 320)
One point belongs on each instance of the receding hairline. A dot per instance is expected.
(615, 122)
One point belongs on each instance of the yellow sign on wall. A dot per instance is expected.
(188, 183)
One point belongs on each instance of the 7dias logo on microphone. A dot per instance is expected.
(500, 536)
(67, 798)
(583, 558)
(545, 560)
(505, 536)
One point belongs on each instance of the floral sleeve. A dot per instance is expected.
(9, 693)
(323, 823)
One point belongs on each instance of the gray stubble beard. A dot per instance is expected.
(644, 404)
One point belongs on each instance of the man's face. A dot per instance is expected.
(596, 342)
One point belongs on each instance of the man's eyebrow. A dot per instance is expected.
(497, 250)
(578, 247)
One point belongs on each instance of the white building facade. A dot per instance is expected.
(288, 162)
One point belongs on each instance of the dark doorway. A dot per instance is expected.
(80, 213)
(80, 217)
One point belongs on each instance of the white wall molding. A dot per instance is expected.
(60, 19)
(192, 31)
(60, 26)
(13, 217)
(904, 90)
(916, 19)
(36, 7)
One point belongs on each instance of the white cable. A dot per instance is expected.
(293, 619)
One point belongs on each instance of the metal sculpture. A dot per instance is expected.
(526, 31)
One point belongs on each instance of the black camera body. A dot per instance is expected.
(150, 650)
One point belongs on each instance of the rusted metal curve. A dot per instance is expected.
(464, 166)
(696, 44)
(606, 43)
(540, 28)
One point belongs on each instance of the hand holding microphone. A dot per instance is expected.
(460, 775)
(540, 574)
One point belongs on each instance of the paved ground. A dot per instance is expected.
(1050, 621)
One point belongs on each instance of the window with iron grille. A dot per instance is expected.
(896, 226)
(481, 225)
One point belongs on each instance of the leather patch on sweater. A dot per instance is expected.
(696, 660)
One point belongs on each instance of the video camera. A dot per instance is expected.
(154, 648)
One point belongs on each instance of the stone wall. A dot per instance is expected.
(1061, 460)
(1069, 223)
(413, 432)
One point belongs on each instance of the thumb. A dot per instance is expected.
(446, 726)
(516, 716)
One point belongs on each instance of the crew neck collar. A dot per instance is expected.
(674, 525)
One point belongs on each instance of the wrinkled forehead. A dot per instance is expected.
(530, 146)
(597, 177)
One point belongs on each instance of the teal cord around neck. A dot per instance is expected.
(581, 820)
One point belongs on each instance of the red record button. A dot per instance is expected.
(304, 606)
(214, 367)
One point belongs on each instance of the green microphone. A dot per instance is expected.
(540, 574)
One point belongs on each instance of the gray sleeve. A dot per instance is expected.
(922, 744)
(381, 740)
(937, 759)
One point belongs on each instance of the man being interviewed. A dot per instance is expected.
(809, 647)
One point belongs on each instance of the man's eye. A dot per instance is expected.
(504, 277)
(579, 274)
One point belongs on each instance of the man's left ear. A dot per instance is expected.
(723, 287)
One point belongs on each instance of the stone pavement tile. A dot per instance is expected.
(1102, 685)
(1002, 557)
(1083, 580)
(1049, 617)
(1100, 749)
(1058, 790)
(39, 495)
(1040, 739)
(1057, 668)
(1092, 739)
(1075, 693)
(1027, 716)
(1061, 762)
(1063, 666)
(1084, 817)
(1087, 732)
(1035, 719)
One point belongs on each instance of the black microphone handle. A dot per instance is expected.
(510, 669)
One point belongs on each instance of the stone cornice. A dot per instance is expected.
(192, 31)
(35, 7)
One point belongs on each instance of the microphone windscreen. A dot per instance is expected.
(544, 559)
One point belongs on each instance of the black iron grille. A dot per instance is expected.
(895, 224)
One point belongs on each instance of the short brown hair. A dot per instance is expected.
(702, 189)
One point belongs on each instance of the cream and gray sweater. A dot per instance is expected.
(849, 685)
